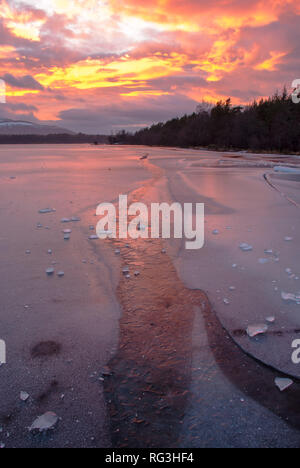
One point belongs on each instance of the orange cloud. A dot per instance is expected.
(81, 51)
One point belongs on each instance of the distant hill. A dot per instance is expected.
(20, 127)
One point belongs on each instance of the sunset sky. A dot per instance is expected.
(98, 66)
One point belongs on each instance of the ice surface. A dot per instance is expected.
(286, 169)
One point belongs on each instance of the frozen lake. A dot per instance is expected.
(175, 371)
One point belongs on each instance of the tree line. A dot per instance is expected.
(271, 124)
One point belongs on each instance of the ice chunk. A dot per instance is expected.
(70, 220)
(254, 330)
(282, 383)
(50, 271)
(45, 422)
(288, 239)
(270, 319)
(67, 231)
(246, 247)
(117, 251)
(47, 210)
(93, 237)
(24, 396)
(28, 252)
(67, 237)
(2, 445)
(136, 273)
(61, 274)
(50, 251)
(290, 297)
(263, 261)
(226, 301)
(216, 232)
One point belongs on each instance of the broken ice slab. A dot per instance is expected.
(47, 210)
(50, 271)
(70, 220)
(288, 239)
(259, 329)
(263, 261)
(93, 237)
(216, 232)
(67, 237)
(246, 247)
(28, 252)
(283, 383)
(291, 297)
(117, 251)
(60, 274)
(136, 273)
(234, 265)
(269, 252)
(24, 396)
(45, 422)
(226, 301)
(50, 251)
(270, 319)
(67, 231)
(232, 288)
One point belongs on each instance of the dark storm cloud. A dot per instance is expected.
(22, 82)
